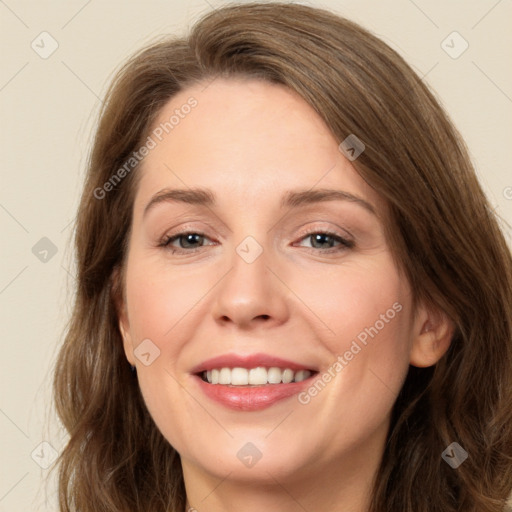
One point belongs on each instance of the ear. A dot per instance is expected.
(433, 332)
(119, 300)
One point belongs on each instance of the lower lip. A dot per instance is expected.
(251, 398)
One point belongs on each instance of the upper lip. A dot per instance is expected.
(248, 361)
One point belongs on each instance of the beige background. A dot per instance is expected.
(49, 106)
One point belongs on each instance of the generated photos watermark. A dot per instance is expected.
(357, 345)
(151, 143)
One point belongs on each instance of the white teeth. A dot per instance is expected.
(288, 376)
(302, 375)
(255, 376)
(274, 375)
(225, 376)
(239, 377)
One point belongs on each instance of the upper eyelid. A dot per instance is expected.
(307, 209)
(201, 231)
(187, 225)
(166, 239)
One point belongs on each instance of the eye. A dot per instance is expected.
(191, 241)
(327, 239)
(187, 241)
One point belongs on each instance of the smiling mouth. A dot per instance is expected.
(250, 377)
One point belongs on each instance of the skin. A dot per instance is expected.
(249, 142)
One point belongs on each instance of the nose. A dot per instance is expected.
(251, 295)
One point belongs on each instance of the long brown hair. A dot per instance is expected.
(442, 231)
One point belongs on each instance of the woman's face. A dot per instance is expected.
(273, 273)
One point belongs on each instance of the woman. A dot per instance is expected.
(340, 338)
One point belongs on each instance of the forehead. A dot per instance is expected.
(248, 138)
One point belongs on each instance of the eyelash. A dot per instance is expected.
(344, 243)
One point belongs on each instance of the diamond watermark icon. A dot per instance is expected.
(249, 455)
(249, 249)
(454, 45)
(44, 250)
(146, 352)
(44, 45)
(454, 455)
(352, 147)
(44, 455)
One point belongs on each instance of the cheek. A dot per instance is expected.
(158, 301)
(366, 319)
(160, 308)
(355, 301)
(166, 308)
(377, 320)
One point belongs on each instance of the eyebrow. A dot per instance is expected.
(291, 199)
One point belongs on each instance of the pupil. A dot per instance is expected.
(189, 238)
(319, 238)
